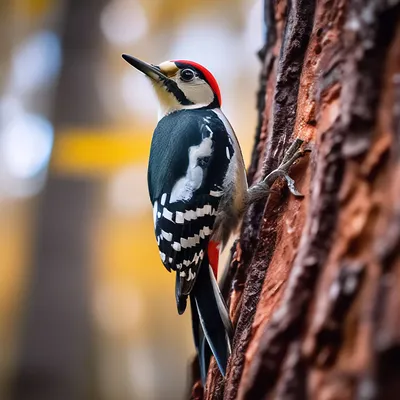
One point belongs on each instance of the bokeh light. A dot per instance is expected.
(26, 145)
(117, 20)
(35, 63)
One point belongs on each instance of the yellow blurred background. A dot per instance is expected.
(87, 311)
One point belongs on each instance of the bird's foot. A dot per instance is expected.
(292, 155)
(263, 188)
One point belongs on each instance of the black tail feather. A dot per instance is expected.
(203, 349)
(181, 299)
(212, 328)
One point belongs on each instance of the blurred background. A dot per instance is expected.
(87, 311)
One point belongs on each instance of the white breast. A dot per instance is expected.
(236, 170)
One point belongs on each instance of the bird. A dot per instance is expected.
(199, 193)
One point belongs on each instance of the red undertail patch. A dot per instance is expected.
(213, 256)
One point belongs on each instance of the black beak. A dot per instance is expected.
(152, 71)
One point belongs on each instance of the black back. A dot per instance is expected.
(169, 161)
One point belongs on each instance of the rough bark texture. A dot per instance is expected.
(314, 283)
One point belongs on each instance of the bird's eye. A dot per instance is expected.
(187, 75)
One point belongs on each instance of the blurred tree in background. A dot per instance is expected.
(55, 357)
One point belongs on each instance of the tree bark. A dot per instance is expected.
(313, 284)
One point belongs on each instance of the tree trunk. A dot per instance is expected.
(314, 283)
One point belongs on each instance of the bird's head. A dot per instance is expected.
(180, 84)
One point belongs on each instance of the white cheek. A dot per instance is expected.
(198, 92)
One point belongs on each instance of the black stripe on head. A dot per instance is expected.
(173, 88)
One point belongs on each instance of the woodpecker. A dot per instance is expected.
(198, 188)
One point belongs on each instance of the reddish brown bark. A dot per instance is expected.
(314, 283)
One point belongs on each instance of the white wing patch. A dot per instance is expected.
(207, 231)
(167, 214)
(207, 209)
(216, 193)
(179, 218)
(176, 246)
(185, 187)
(155, 209)
(190, 215)
(166, 235)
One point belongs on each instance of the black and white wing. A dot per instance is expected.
(190, 154)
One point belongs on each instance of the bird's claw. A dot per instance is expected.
(263, 188)
(289, 159)
(294, 147)
(292, 187)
